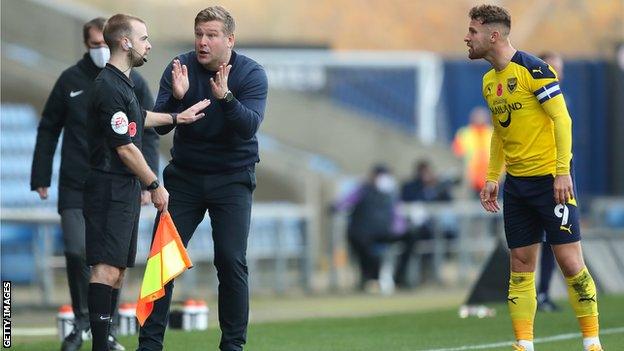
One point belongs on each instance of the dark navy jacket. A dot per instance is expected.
(225, 139)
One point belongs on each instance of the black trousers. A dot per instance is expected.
(368, 249)
(78, 272)
(227, 197)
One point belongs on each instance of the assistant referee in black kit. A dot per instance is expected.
(112, 191)
(212, 166)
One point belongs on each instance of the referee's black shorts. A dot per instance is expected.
(112, 205)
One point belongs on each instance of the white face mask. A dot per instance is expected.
(385, 183)
(100, 56)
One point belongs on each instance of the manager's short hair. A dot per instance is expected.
(117, 27)
(217, 13)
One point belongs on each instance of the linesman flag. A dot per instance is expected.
(167, 259)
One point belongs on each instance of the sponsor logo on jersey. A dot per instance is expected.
(506, 122)
(499, 109)
(564, 228)
(488, 89)
(119, 122)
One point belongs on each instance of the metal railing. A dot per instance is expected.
(279, 232)
(477, 233)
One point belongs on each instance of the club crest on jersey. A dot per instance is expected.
(119, 122)
(512, 83)
(499, 89)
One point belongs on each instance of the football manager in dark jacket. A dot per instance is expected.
(212, 165)
(66, 109)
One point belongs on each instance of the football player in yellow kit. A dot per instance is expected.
(532, 138)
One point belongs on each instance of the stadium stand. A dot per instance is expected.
(19, 245)
(19, 132)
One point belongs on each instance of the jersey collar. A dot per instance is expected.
(120, 74)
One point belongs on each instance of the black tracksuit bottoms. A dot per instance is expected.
(227, 197)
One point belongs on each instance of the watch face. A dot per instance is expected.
(229, 96)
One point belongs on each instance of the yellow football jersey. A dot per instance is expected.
(532, 128)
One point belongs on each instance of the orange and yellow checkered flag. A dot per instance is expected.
(167, 259)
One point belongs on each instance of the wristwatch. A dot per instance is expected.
(153, 186)
(174, 119)
(228, 96)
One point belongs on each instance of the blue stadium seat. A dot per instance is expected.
(387, 94)
(614, 217)
(17, 116)
(19, 268)
(19, 132)
(18, 262)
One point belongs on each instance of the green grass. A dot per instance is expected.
(404, 331)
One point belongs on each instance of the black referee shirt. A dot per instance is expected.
(115, 119)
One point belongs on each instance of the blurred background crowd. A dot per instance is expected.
(373, 147)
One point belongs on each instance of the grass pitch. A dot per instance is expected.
(440, 329)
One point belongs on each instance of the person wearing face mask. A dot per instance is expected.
(373, 221)
(66, 110)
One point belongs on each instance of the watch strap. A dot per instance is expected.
(153, 185)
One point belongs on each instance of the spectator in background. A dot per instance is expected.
(373, 221)
(547, 259)
(66, 109)
(425, 186)
(472, 143)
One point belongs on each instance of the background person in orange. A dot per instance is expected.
(472, 142)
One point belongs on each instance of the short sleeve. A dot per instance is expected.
(112, 116)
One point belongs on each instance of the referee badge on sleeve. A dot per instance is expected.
(119, 122)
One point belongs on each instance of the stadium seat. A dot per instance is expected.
(19, 132)
(614, 217)
(18, 263)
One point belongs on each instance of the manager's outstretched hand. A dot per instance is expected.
(192, 113)
(179, 80)
(219, 84)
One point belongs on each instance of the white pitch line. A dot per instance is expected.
(535, 341)
(52, 331)
(33, 331)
